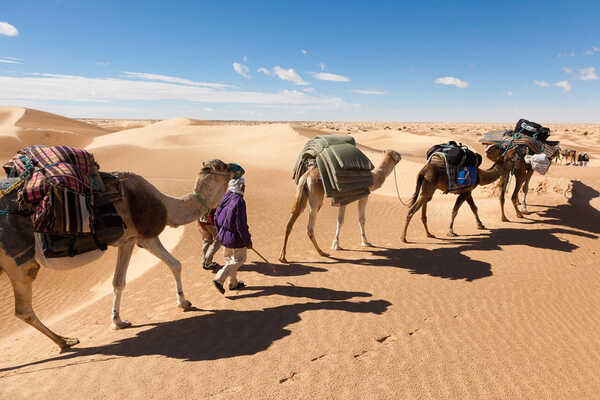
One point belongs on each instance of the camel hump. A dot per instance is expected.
(148, 213)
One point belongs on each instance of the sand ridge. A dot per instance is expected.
(508, 312)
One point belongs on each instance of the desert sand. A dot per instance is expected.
(505, 313)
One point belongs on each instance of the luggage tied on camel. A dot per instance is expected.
(344, 169)
(69, 200)
(460, 162)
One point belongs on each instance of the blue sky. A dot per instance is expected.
(305, 60)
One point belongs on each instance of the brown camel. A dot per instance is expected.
(146, 211)
(433, 177)
(522, 173)
(310, 190)
(569, 156)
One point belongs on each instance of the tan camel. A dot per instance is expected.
(433, 177)
(146, 211)
(310, 190)
(569, 156)
(522, 173)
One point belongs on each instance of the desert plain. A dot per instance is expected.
(504, 313)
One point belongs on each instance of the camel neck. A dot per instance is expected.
(487, 176)
(382, 172)
(183, 210)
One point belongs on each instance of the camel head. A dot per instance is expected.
(211, 183)
(393, 155)
(503, 155)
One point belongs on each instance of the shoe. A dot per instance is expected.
(240, 285)
(219, 287)
(212, 265)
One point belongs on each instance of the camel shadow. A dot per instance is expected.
(219, 333)
(299, 291)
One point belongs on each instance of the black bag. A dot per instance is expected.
(532, 129)
(456, 154)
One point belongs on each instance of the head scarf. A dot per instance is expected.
(237, 186)
(237, 170)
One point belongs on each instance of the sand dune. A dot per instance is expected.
(508, 312)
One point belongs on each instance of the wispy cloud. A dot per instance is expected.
(509, 93)
(322, 66)
(451, 81)
(103, 63)
(241, 69)
(264, 71)
(588, 74)
(170, 79)
(565, 85)
(245, 59)
(566, 54)
(592, 51)
(326, 76)
(8, 30)
(208, 109)
(73, 88)
(541, 83)
(303, 51)
(10, 60)
(288, 75)
(309, 89)
(566, 70)
(361, 91)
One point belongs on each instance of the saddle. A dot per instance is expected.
(461, 164)
(344, 170)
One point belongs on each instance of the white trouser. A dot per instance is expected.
(234, 259)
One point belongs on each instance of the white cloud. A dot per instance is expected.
(309, 90)
(592, 51)
(10, 60)
(565, 85)
(208, 109)
(7, 29)
(303, 51)
(588, 74)
(288, 75)
(451, 81)
(103, 63)
(54, 87)
(264, 71)
(567, 54)
(509, 93)
(165, 78)
(326, 76)
(245, 59)
(566, 70)
(361, 91)
(541, 83)
(322, 66)
(241, 69)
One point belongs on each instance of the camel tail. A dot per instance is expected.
(301, 194)
(420, 178)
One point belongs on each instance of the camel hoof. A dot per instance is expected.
(519, 215)
(283, 260)
(68, 342)
(452, 234)
(323, 254)
(335, 246)
(429, 235)
(116, 325)
(367, 244)
(186, 305)
(481, 227)
(504, 219)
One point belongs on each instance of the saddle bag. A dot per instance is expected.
(532, 129)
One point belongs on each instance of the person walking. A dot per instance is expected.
(233, 233)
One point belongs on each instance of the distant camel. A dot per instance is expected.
(570, 156)
(146, 211)
(310, 190)
(433, 177)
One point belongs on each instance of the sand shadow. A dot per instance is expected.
(292, 269)
(298, 291)
(215, 335)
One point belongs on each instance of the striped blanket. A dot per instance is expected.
(50, 170)
(535, 146)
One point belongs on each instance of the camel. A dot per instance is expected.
(570, 156)
(310, 190)
(523, 173)
(146, 211)
(433, 177)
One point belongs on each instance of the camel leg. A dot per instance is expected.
(411, 211)
(299, 206)
(155, 247)
(314, 205)
(119, 281)
(424, 219)
(503, 187)
(474, 209)
(340, 221)
(519, 178)
(22, 288)
(459, 202)
(362, 218)
(525, 190)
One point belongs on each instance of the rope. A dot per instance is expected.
(397, 191)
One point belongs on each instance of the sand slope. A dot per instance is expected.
(508, 312)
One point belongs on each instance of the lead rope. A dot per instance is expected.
(397, 191)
